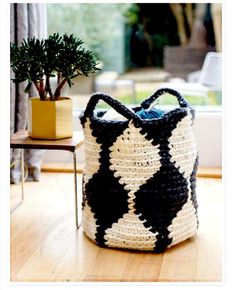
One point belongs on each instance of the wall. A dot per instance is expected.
(208, 133)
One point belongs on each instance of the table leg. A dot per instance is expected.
(22, 174)
(76, 193)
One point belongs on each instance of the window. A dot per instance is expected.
(142, 47)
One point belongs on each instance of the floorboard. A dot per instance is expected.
(45, 245)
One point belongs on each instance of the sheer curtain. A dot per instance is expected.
(27, 20)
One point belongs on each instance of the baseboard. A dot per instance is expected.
(61, 167)
(206, 172)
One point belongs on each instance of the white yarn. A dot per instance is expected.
(113, 115)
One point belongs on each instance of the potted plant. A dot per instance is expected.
(37, 61)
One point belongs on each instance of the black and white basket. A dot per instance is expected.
(140, 176)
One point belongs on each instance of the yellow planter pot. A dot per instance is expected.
(50, 119)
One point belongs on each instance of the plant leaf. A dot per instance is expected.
(27, 89)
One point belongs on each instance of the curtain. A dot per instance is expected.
(27, 20)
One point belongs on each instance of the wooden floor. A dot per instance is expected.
(45, 245)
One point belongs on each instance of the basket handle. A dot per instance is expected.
(115, 104)
(182, 102)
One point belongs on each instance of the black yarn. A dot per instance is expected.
(193, 186)
(164, 193)
(105, 195)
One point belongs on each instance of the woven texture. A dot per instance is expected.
(140, 176)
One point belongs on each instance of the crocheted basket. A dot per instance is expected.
(140, 176)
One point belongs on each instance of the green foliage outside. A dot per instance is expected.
(96, 23)
(212, 99)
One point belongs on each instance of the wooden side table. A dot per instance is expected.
(21, 140)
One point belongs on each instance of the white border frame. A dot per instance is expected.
(228, 148)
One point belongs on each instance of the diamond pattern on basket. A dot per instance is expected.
(129, 232)
(133, 158)
(185, 224)
(139, 184)
(92, 153)
(183, 147)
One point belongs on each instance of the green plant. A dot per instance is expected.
(36, 61)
